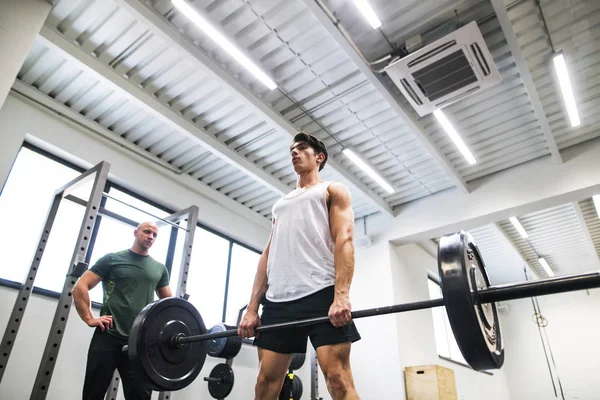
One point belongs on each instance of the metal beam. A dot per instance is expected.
(161, 111)
(156, 22)
(39, 99)
(534, 97)
(586, 231)
(407, 117)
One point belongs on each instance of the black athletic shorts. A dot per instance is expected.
(293, 340)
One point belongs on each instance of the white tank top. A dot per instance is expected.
(300, 258)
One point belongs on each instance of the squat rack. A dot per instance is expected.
(78, 265)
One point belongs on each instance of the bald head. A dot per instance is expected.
(142, 225)
(145, 234)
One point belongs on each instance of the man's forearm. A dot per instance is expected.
(81, 298)
(260, 285)
(344, 266)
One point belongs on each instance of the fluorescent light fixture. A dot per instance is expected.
(443, 120)
(542, 261)
(368, 170)
(519, 227)
(596, 199)
(567, 90)
(205, 26)
(367, 11)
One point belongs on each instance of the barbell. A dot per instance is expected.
(168, 341)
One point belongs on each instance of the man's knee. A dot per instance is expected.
(268, 378)
(338, 381)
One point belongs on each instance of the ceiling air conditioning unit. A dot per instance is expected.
(449, 69)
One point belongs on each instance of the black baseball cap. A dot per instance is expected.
(317, 145)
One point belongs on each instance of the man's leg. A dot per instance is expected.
(101, 364)
(273, 367)
(276, 348)
(334, 361)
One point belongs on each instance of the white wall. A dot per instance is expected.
(573, 325)
(374, 357)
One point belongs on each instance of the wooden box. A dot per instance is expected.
(430, 382)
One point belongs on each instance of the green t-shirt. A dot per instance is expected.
(128, 281)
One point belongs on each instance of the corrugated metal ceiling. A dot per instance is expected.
(320, 89)
(70, 83)
(574, 28)
(592, 221)
(569, 243)
(559, 236)
(498, 125)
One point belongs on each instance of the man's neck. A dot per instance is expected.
(138, 250)
(307, 179)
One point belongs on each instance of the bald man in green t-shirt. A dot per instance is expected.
(129, 280)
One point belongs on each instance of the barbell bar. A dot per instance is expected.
(490, 295)
(167, 344)
(179, 340)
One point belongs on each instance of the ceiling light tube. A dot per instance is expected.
(549, 271)
(519, 227)
(205, 26)
(458, 142)
(596, 199)
(368, 170)
(367, 11)
(567, 90)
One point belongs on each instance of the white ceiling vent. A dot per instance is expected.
(447, 70)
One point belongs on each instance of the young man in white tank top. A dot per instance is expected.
(305, 271)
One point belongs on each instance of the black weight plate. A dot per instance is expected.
(214, 347)
(297, 388)
(233, 344)
(154, 359)
(292, 388)
(476, 327)
(297, 361)
(220, 390)
(227, 347)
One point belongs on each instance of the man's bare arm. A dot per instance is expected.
(341, 221)
(81, 298)
(163, 292)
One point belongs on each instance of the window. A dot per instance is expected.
(444, 338)
(208, 275)
(24, 204)
(241, 279)
(177, 253)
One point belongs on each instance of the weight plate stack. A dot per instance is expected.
(228, 347)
